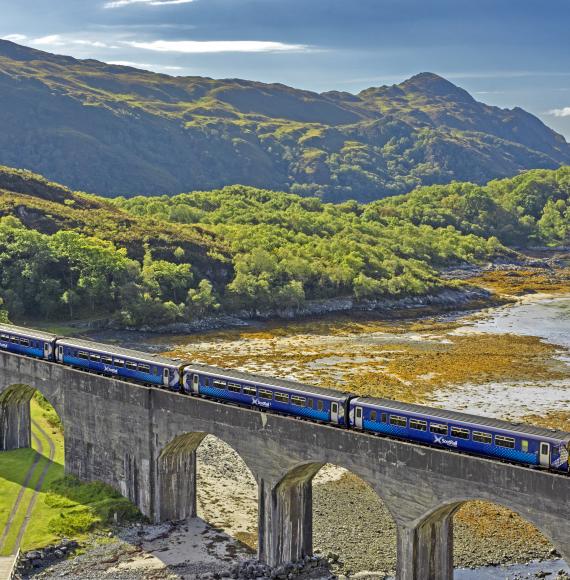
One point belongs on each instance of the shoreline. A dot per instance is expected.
(450, 300)
(477, 288)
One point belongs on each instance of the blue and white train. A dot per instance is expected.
(459, 432)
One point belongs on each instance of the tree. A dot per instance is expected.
(554, 225)
(71, 299)
(201, 300)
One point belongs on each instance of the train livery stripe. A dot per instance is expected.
(89, 365)
(467, 445)
(247, 399)
(28, 350)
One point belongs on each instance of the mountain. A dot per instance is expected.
(124, 131)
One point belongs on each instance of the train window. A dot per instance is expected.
(14, 339)
(501, 441)
(460, 433)
(4, 337)
(155, 371)
(524, 445)
(119, 362)
(265, 394)
(298, 401)
(234, 388)
(218, 383)
(251, 391)
(95, 357)
(144, 368)
(310, 403)
(384, 418)
(83, 355)
(438, 428)
(107, 360)
(282, 397)
(398, 420)
(482, 437)
(24, 342)
(131, 365)
(418, 425)
(320, 405)
(373, 415)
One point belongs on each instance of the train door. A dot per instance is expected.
(166, 377)
(334, 412)
(358, 417)
(545, 454)
(47, 350)
(196, 383)
(60, 353)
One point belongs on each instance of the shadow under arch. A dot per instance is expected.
(15, 416)
(487, 517)
(335, 509)
(201, 475)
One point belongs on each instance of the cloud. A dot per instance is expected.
(216, 46)
(564, 112)
(58, 40)
(50, 40)
(121, 3)
(144, 65)
(15, 37)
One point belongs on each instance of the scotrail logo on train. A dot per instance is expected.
(261, 403)
(443, 441)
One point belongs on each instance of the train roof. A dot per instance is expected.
(27, 332)
(455, 416)
(270, 381)
(126, 352)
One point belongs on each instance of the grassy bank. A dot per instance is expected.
(63, 507)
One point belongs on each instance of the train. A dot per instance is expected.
(458, 432)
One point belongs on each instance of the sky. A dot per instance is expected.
(505, 52)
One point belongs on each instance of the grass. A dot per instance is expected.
(13, 468)
(64, 507)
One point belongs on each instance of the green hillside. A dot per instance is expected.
(121, 131)
(239, 249)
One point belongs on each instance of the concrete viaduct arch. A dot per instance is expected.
(142, 441)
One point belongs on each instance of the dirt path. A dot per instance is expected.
(16, 507)
(27, 479)
(39, 485)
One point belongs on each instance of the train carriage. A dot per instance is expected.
(27, 342)
(121, 362)
(277, 395)
(516, 442)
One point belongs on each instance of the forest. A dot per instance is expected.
(157, 260)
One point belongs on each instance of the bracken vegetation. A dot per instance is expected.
(167, 259)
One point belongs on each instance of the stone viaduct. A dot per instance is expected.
(142, 441)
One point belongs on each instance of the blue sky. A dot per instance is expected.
(505, 52)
